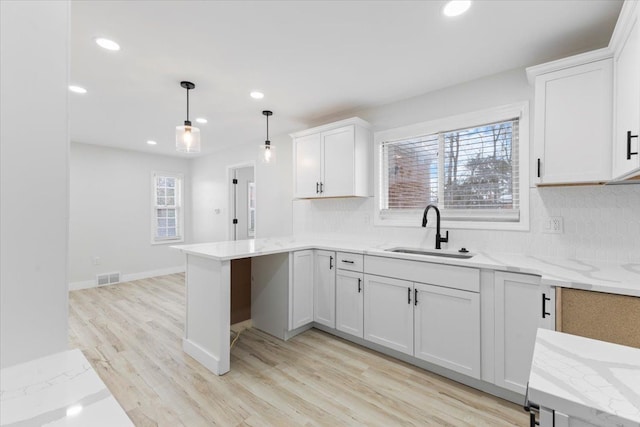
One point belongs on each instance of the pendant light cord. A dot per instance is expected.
(187, 104)
(267, 128)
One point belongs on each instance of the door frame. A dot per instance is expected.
(231, 169)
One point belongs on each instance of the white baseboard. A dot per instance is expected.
(86, 284)
(208, 360)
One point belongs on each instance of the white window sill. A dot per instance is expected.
(167, 241)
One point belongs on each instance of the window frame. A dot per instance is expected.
(413, 218)
(179, 195)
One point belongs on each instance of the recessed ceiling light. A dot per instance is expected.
(257, 95)
(456, 7)
(201, 120)
(150, 142)
(77, 89)
(107, 44)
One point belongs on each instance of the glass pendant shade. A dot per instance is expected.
(187, 139)
(267, 153)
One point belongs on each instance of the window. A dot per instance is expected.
(166, 219)
(469, 166)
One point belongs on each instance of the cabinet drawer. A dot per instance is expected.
(349, 261)
(463, 278)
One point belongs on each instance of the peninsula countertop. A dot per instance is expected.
(592, 380)
(597, 276)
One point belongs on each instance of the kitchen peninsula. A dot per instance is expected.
(208, 273)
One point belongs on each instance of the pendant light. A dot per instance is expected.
(187, 136)
(267, 151)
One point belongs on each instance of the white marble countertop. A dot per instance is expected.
(588, 379)
(569, 273)
(57, 390)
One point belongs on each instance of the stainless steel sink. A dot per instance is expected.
(427, 252)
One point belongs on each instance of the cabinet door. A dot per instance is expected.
(301, 290)
(338, 168)
(324, 288)
(349, 302)
(573, 124)
(307, 166)
(518, 314)
(447, 328)
(627, 101)
(388, 312)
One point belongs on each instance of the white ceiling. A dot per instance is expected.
(312, 59)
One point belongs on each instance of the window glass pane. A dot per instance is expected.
(162, 232)
(160, 181)
(478, 167)
(171, 222)
(161, 213)
(160, 192)
(162, 222)
(170, 182)
(170, 201)
(171, 213)
(170, 192)
(160, 201)
(412, 174)
(171, 232)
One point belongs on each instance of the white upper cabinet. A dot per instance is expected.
(573, 119)
(626, 66)
(334, 160)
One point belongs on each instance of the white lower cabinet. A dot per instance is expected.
(350, 302)
(447, 328)
(301, 290)
(388, 312)
(522, 305)
(324, 288)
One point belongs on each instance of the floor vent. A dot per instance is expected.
(108, 278)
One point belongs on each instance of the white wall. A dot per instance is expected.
(34, 167)
(210, 191)
(111, 214)
(600, 222)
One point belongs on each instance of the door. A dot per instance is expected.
(447, 328)
(324, 288)
(388, 312)
(574, 124)
(338, 168)
(519, 304)
(301, 290)
(350, 302)
(243, 212)
(307, 166)
(627, 108)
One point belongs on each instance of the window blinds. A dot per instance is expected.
(471, 173)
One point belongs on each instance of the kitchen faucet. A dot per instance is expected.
(439, 239)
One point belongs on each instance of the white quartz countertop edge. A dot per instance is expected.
(588, 379)
(621, 279)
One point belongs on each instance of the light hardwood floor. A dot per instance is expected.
(131, 333)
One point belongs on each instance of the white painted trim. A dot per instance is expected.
(572, 61)
(331, 126)
(625, 19)
(207, 359)
(86, 284)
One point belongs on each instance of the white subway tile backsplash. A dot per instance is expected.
(600, 223)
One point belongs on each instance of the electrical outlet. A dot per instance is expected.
(96, 260)
(553, 225)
